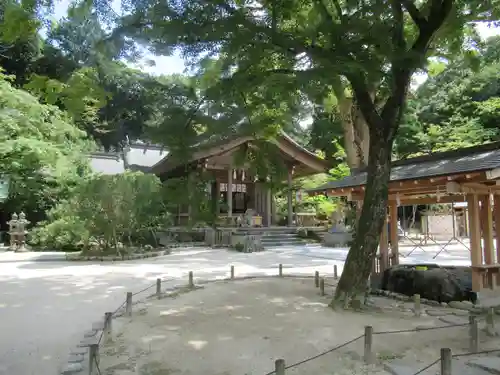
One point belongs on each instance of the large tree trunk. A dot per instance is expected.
(356, 133)
(358, 265)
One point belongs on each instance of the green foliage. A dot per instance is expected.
(40, 149)
(125, 208)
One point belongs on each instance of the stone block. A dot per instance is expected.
(72, 368)
(436, 312)
(454, 319)
(88, 341)
(75, 358)
(489, 364)
(91, 333)
(81, 350)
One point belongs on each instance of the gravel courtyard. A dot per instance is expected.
(242, 327)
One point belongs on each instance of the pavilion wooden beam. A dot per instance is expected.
(487, 234)
(384, 247)
(393, 217)
(496, 215)
(475, 241)
(410, 201)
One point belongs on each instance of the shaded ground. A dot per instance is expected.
(241, 327)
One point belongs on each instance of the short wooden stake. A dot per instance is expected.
(191, 282)
(279, 367)
(335, 272)
(93, 357)
(416, 305)
(108, 323)
(158, 288)
(368, 344)
(490, 322)
(280, 270)
(128, 304)
(473, 335)
(316, 279)
(445, 361)
(232, 272)
(322, 286)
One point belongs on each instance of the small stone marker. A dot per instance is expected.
(335, 272)
(279, 367)
(232, 272)
(473, 335)
(446, 361)
(316, 279)
(368, 345)
(416, 305)
(128, 304)
(322, 286)
(158, 288)
(191, 281)
(280, 270)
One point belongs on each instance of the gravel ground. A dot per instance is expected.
(242, 327)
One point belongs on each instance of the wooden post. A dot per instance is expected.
(473, 334)
(289, 197)
(158, 288)
(280, 270)
(416, 305)
(487, 234)
(368, 345)
(446, 361)
(190, 280)
(384, 247)
(108, 322)
(279, 367)
(316, 279)
(496, 214)
(322, 286)
(232, 272)
(476, 253)
(393, 213)
(490, 322)
(93, 355)
(128, 304)
(335, 272)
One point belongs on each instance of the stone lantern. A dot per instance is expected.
(22, 232)
(17, 232)
(13, 230)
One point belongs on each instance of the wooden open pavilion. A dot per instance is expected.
(469, 175)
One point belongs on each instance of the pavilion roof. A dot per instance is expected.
(462, 161)
(217, 145)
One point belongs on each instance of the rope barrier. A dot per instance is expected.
(427, 367)
(320, 354)
(420, 329)
(326, 351)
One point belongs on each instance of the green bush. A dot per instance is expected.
(106, 212)
(239, 247)
(63, 234)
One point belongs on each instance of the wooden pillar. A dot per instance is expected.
(384, 247)
(268, 206)
(230, 191)
(289, 197)
(487, 234)
(476, 253)
(217, 197)
(393, 213)
(496, 216)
